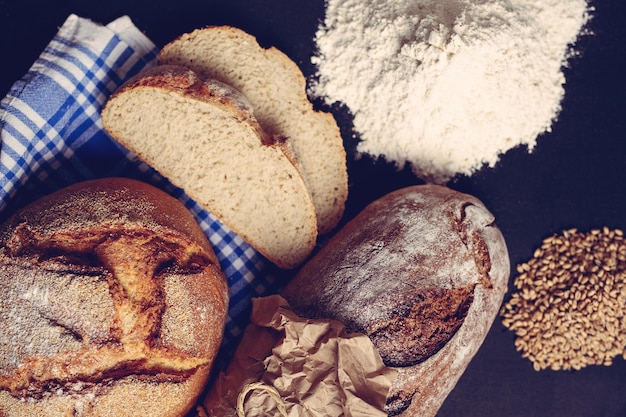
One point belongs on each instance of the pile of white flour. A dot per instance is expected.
(447, 85)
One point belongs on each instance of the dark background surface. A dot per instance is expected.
(576, 176)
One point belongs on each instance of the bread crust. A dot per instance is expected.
(114, 302)
(422, 271)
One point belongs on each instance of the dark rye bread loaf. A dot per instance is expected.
(112, 303)
(422, 271)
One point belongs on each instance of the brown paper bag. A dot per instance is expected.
(286, 365)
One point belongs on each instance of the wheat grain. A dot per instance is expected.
(568, 310)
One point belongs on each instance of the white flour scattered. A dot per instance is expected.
(447, 85)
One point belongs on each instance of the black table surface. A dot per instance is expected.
(575, 178)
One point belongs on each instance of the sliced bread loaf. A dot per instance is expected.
(203, 137)
(276, 89)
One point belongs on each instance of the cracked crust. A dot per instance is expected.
(92, 278)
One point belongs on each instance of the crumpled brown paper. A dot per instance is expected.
(290, 366)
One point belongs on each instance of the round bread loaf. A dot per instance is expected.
(112, 303)
(422, 271)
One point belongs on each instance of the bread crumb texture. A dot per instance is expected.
(276, 89)
(568, 310)
(195, 135)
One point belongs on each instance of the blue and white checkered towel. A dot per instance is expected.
(51, 136)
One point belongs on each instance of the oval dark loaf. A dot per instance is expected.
(422, 271)
(112, 303)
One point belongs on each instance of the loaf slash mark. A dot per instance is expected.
(133, 262)
(431, 318)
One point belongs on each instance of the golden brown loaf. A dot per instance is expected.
(112, 303)
(422, 271)
(203, 136)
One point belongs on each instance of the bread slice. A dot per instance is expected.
(276, 89)
(203, 137)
